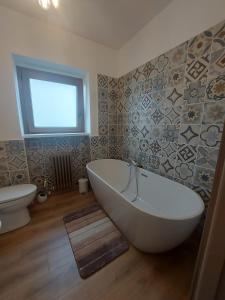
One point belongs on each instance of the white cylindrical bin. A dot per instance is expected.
(42, 197)
(83, 185)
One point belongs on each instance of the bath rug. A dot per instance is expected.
(95, 240)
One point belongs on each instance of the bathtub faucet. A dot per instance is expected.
(135, 165)
(132, 162)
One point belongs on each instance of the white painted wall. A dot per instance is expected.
(29, 37)
(178, 22)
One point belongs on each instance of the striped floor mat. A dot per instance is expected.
(94, 239)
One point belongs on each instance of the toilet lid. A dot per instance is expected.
(14, 192)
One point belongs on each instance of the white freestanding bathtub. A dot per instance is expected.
(162, 217)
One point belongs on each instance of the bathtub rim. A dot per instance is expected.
(188, 217)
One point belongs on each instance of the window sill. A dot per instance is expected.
(39, 135)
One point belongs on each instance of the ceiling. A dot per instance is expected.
(109, 22)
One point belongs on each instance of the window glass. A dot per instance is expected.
(53, 104)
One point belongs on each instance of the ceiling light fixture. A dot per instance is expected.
(46, 4)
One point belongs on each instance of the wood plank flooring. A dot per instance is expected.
(36, 262)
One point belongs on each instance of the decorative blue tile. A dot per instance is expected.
(144, 131)
(157, 116)
(195, 92)
(102, 81)
(4, 179)
(169, 150)
(167, 167)
(219, 37)
(184, 171)
(16, 155)
(197, 70)
(204, 177)
(170, 133)
(175, 95)
(178, 55)
(186, 153)
(214, 112)
(154, 147)
(211, 135)
(160, 81)
(192, 114)
(144, 145)
(19, 177)
(189, 134)
(217, 63)
(172, 116)
(103, 94)
(162, 63)
(154, 164)
(112, 83)
(176, 76)
(216, 89)
(200, 45)
(207, 157)
(148, 70)
(3, 158)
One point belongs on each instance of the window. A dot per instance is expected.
(50, 103)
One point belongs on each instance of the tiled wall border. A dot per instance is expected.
(30, 160)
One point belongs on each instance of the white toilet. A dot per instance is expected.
(13, 206)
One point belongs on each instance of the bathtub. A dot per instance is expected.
(164, 215)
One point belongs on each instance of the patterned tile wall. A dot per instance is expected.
(13, 163)
(39, 153)
(30, 161)
(105, 145)
(168, 113)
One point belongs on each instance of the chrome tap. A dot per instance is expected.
(135, 165)
(132, 162)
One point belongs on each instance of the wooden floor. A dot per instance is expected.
(36, 262)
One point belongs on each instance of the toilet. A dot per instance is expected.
(14, 201)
